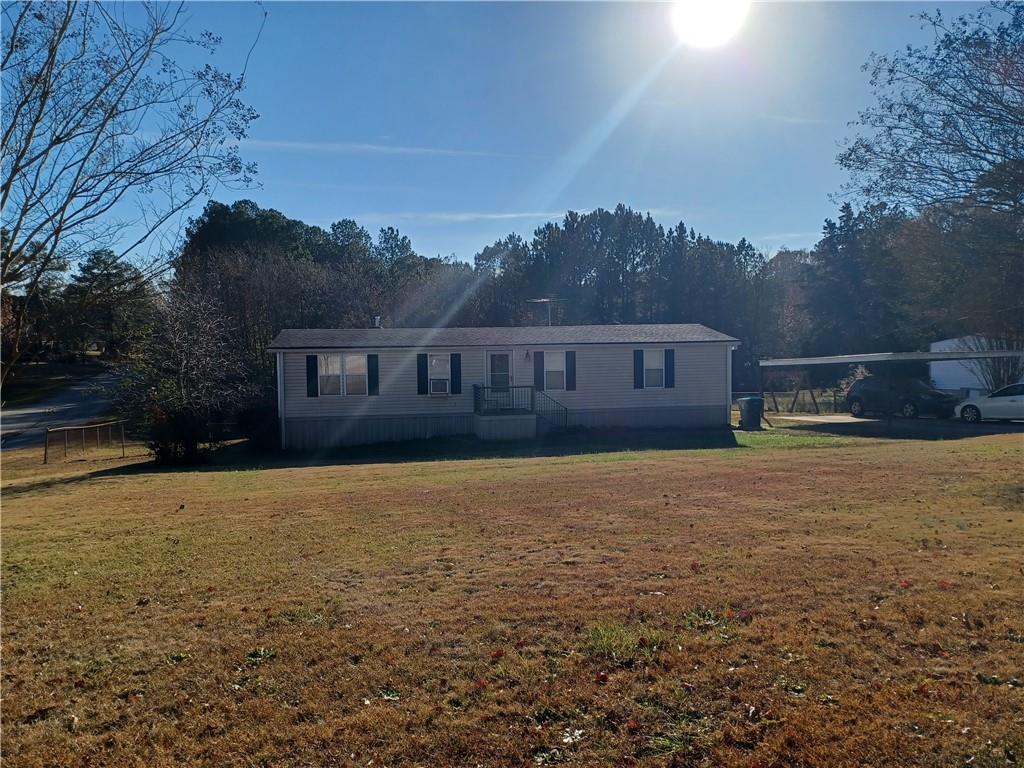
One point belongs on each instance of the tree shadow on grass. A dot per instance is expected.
(573, 442)
(240, 455)
(907, 429)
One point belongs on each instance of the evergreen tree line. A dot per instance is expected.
(878, 280)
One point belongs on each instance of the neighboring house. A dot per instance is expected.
(352, 386)
(962, 376)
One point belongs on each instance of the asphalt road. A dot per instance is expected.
(80, 403)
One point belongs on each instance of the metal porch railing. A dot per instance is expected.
(503, 400)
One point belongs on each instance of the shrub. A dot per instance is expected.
(184, 373)
(259, 423)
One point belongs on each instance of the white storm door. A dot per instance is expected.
(499, 369)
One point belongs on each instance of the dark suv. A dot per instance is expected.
(909, 398)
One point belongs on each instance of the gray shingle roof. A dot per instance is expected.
(354, 338)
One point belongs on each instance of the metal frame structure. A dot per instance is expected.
(872, 357)
(82, 428)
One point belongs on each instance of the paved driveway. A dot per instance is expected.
(78, 404)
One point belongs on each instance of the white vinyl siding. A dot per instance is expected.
(604, 381)
(554, 370)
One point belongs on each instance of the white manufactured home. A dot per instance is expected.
(353, 386)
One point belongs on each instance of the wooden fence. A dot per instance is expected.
(75, 436)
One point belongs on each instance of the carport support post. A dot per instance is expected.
(814, 400)
(890, 401)
(46, 446)
(122, 439)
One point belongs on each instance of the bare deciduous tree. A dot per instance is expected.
(105, 137)
(996, 372)
(948, 123)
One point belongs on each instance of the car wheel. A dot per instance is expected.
(970, 414)
(857, 408)
(908, 411)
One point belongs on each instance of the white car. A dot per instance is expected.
(1005, 403)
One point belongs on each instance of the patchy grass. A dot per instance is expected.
(856, 601)
(625, 644)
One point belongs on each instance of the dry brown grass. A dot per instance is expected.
(858, 604)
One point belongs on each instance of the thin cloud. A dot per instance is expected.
(794, 119)
(792, 238)
(458, 217)
(358, 148)
(461, 217)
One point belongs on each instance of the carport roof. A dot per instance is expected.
(882, 357)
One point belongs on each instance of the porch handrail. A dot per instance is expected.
(550, 409)
(515, 398)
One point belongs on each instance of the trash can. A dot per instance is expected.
(751, 409)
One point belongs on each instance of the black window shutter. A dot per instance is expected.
(638, 369)
(538, 371)
(372, 375)
(312, 377)
(456, 360)
(670, 368)
(570, 370)
(421, 374)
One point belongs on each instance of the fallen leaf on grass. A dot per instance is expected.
(572, 735)
(257, 656)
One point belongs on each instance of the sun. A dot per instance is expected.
(708, 23)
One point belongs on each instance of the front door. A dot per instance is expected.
(499, 369)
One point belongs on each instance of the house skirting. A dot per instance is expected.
(312, 434)
(518, 426)
(651, 418)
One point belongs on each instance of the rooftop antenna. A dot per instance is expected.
(548, 301)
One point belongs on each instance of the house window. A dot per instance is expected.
(439, 371)
(355, 374)
(554, 370)
(654, 368)
(329, 370)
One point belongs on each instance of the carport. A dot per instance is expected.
(887, 359)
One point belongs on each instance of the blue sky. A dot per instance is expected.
(461, 122)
